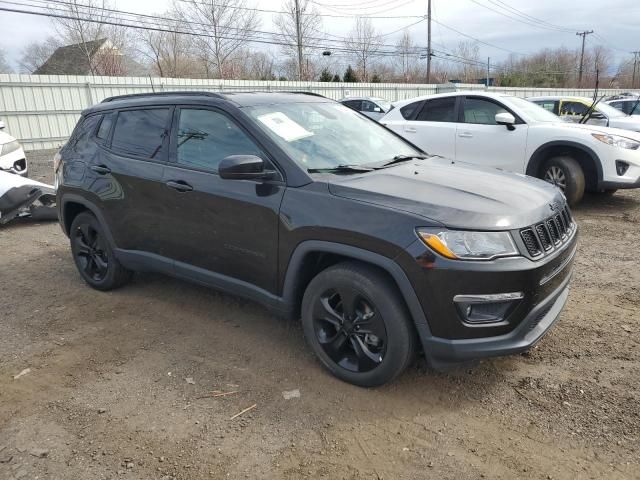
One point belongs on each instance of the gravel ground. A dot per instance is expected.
(117, 380)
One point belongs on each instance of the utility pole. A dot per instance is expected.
(429, 41)
(299, 38)
(635, 66)
(584, 36)
(488, 66)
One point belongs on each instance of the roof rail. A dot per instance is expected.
(160, 94)
(302, 92)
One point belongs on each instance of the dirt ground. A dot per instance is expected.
(116, 380)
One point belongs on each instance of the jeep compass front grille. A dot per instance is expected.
(543, 237)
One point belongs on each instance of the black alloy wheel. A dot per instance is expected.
(90, 252)
(93, 254)
(350, 329)
(357, 324)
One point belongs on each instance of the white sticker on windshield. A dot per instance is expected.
(284, 127)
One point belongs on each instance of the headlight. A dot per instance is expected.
(460, 245)
(9, 147)
(617, 141)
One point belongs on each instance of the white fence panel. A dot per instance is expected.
(41, 110)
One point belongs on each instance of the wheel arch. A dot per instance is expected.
(313, 256)
(585, 156)
(72, 205)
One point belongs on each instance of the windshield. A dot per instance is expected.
(533, 111)
(609, 111)
(327, 135)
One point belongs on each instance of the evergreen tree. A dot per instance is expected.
(350, 75)
(325, 75)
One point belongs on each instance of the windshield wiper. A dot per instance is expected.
(341, 168)
(396, 159)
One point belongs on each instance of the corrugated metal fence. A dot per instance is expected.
(41, 110)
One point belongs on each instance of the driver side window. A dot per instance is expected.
(573, 108)
(480, 111)
(206, 137)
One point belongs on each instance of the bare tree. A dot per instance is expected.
(405, 58)
(4, 64)
(365, 43)
(467, 55)
(299, 28)
(168, 52)
(228, 24)
(81, 26)
(36, 54)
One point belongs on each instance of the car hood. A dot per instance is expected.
(456, 195)
(600, 129)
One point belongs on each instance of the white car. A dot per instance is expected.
(372, 107)
(573, 108)
(628, 105)
(12, 157)
(513, 134)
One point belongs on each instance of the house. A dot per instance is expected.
(97, 57)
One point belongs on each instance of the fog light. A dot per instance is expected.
(482, 309)
(621, 167)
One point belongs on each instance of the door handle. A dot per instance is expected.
(179, 185)
(465, 135)
(101, 169)
(409, 130)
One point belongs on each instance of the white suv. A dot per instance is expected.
(12, 158)
(513, 134)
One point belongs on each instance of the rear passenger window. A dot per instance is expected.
(105, 127)
(408, 111)
(438, 110)
(205, 137)
(141, 132)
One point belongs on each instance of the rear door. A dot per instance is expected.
(432, 126)
(481, 141)
(127, 176)
(229, 227)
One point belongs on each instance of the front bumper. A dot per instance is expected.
(538, 290)
(443, 352)
(14, 162)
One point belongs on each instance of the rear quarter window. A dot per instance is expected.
(408, 111)
(82, 133)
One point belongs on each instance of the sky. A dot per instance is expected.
(617, 25)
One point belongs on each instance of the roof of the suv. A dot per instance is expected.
(560, 97)
(239, 99)
(474, 93)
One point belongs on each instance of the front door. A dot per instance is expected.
(229, 227)
(481, 141)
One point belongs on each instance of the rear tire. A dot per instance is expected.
(566, 174)
(93, 254)
(356, 323)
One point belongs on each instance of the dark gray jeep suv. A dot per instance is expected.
(321, 214)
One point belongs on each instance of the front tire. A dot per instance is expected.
(566, 174)
(94, 256)
(357, 325)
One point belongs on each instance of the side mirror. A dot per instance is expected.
(598, 115)
(506, 119)
(1, 125)
(377, 109)
(243, 167)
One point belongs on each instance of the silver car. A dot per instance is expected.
(372, 107)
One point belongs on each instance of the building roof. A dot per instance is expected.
(71, 59)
